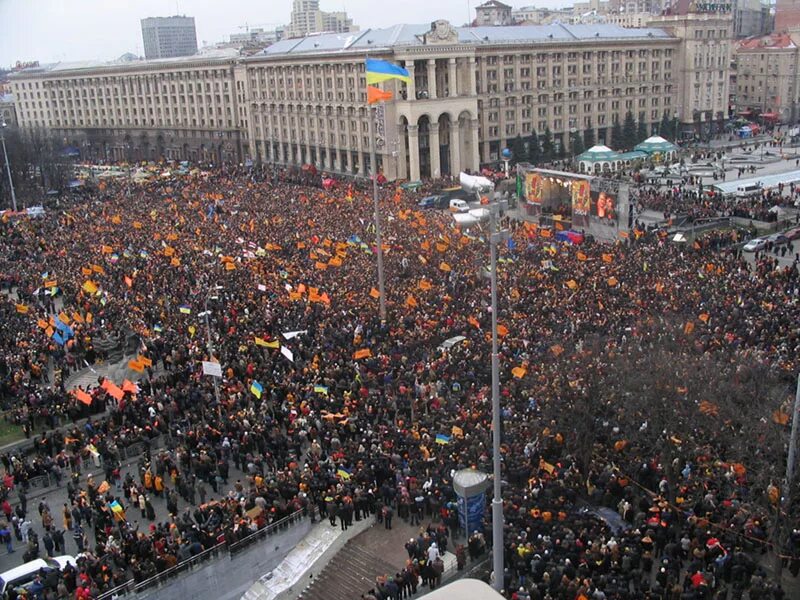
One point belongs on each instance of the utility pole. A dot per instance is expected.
(786, 492)
(3, 126)
(373, 163)
(497, 236)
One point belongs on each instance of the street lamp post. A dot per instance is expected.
(3, 126)
(496, 236)
(206, 312)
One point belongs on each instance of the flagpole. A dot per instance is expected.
(374, 168)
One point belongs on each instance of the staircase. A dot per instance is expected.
(351, 573)
(353, 570)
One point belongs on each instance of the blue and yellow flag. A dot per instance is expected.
(442, 438)
(321, 389)
(343, 473)
(381, 70)
(257, 389)
(185, 309)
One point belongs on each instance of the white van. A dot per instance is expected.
(748, 190)
(24, 574)
(458, 206)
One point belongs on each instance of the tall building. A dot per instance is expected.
(787, 15)
(493, 12)
(751, 18)
(767, 80)
(169, 37)
(307, 18)
(473, 90)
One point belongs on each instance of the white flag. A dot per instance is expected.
(291, 334)
(287, 353)
(212, 368)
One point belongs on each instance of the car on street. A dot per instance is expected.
(793, 233)
(429, 202)
(777, 239)
(755, 245)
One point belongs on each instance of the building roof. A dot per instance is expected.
(493, 4)
(775, 41)
(656, 143)
(125, 61)
(399, 36)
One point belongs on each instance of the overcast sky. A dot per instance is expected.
(68, 30)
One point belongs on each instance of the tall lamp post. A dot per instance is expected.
(3, 126)
(496, 236)
(207, 312)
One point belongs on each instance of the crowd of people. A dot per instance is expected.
(324, 408)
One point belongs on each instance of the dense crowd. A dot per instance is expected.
(323, 406)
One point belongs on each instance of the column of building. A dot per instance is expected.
(432, 78)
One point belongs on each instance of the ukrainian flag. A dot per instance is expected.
(257, 389)
(343, 473)
(321, 389)
(442, 438)
(185, 309)
(381, 70)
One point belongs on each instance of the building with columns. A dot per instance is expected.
(473, 90)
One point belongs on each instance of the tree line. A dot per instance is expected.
(536, 149)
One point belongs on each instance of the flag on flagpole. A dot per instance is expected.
(321, 389)
(185, 309)
(257, 389)
(381, 70)
(442, 438)
(343, 473)
(375, 95)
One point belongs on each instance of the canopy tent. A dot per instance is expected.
(602, 158)
(656, 144)
(598, 153)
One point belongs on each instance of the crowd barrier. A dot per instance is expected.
(188, 565)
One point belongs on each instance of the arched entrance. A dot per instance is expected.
(403, 167)
(465, 141)
(445, 167)
(423, 132)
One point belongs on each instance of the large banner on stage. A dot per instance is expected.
(533, 188)
(581, 203)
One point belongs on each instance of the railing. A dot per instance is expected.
(131, 451)
(132, 587)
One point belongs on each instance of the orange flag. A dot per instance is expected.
(82, 396)
(411, 301)
(374, 293)
(502, 330)
(445, 267)
(474, 322)
(607, 258)
(704, 317)
(229, 266)
(425, 285)
(136, 366)
(128, 281)
(519, 372)
(612, 281)
(545, 233)
(321, 266)
(689, 327)
(363, 353)
(375, 94)
(581, 256)
(572, 284)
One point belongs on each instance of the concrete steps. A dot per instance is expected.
(351, 573)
